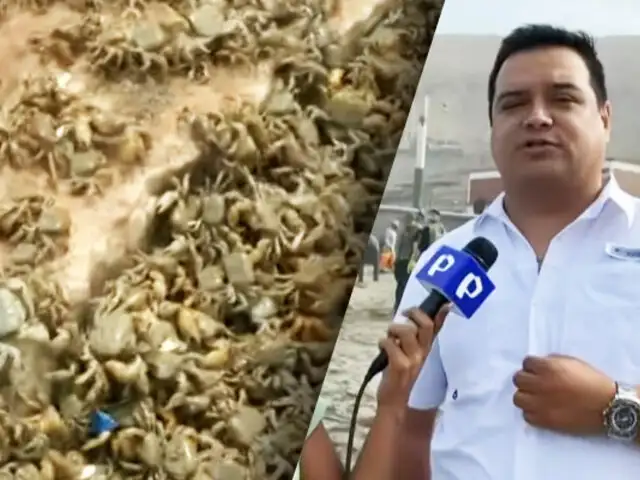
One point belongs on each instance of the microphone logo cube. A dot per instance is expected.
(459, 278)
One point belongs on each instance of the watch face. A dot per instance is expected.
(624, 419)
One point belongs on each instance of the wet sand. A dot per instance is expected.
(366, 321)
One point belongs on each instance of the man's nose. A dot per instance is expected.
(538, 117)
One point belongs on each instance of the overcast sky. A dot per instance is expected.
(597, 17)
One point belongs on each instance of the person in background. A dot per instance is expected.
(371, 257)
(420, 218)
(405, 248)
(431, 231)
(389, 246)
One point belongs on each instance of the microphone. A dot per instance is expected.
(459, 277)
(453, 276)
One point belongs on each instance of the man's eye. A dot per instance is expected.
(510, 105)
(565, 99)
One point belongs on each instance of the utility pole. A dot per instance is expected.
(421, 157)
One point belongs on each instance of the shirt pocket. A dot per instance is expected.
(602, 320)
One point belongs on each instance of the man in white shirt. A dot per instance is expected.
(542, 383)
(390, 236)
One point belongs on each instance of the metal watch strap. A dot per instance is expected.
(607, 409)
(623, 392)
(627, 391)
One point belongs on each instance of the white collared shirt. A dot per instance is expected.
(583, 302)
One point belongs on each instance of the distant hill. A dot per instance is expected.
(455, 78)
(456, 73)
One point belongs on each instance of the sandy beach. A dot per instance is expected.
(366, 321)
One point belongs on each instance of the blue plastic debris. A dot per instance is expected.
(102, 422)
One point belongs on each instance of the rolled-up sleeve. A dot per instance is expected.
(430, 388)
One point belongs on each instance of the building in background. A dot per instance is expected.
(484, 186)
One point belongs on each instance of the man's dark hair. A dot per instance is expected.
(533, 37)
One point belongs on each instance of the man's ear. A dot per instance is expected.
(605, 116)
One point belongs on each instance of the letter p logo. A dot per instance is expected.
(459, 277)
(471, 287)
(442, 264)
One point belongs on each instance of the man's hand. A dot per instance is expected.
(563, 393)
(407, 346)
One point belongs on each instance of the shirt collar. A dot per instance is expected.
(612, 194)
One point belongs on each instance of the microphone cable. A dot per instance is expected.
(485, 253)
(377, 366)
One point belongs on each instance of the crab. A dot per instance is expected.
(52, 305)
(133, 373)
(130, 47)
(183, 214)
(94, 380)
(30, 140)
(88, 173)
(264, 214)
(189, 54)
(43, 239)
(180, 457)
(136, 450)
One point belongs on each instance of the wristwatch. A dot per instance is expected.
(622, 415)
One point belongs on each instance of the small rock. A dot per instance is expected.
(12, 313)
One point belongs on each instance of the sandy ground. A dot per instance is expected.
(366, 321)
